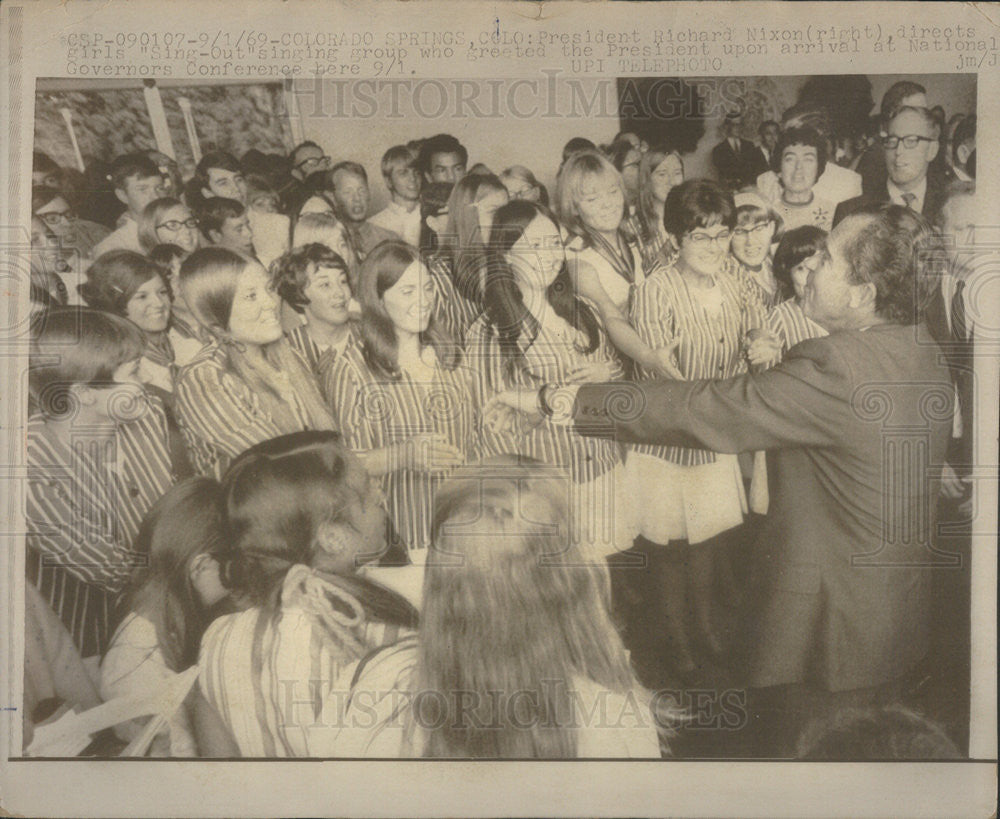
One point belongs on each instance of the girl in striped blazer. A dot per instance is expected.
(314, 281)
(248, 385)
(536, 330)
(402, 396)
(690, 497)
(98, 458)
(302, 515)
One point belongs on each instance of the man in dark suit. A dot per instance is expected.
(910, 145)
(737, 161)
(846, 548)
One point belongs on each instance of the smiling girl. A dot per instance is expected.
(248, 384)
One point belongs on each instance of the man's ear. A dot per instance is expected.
(120, 194)
(206, 193)
(863, 296)
(214, 236)
(336, 539)
(962, 153)
(932, 150)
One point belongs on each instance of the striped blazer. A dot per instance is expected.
(309, 350)
(375, 412)
(220, 415)
(452, 311)
(548, 359)
(85, 501)
(276, 682)
(711, 342)
(791, 325)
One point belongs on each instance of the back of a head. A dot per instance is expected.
(207, 283)
(896, 93)
(510, 603)
(892, 732)
(276, 495)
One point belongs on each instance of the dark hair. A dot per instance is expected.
(213, 159)
(891, 732)
(164, 256)
(765, 124)
(184, 523)
(576, 144)
(351, 167)
(795, 246)
(439, 144)
(800, 136)
(127, 166)
(43, 163)
(433, 200)
(306, 144)
(697, 203)
(899, 91)
(380, 270)
(74, 345)
(887, 251)
(114, 278)
(215, 211)
(276, 496)
(41, 195)
(291, 271)
(504, 306)
(617, 152)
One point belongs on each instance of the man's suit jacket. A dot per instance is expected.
(868, 203)
(856, 425)
(738, 169)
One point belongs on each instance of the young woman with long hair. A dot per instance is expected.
(605, 264)
(248, 384)
(168, 221)
(536, 330)
(168, 604)
(401, 396)
(660, 170)
(302, 515)
(508, 669)
(461, 254)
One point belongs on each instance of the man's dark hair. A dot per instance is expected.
(965, 132)
(439, 144)
(213, 214)
(899, 91)
(131, 165)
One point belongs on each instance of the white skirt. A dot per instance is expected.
(693, 503)
(601, 519)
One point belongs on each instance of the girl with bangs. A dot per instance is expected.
(527, 668)
(132, 286)
(401, 396)
(461, 254)
(536, 330)
(248, 384)
(660, 170)
(605, 264)
(314, 282)
(302, 515)
(168, 221)
(98, 457)
(690, 498)
(755, 230)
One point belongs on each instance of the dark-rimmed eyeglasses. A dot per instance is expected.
(890, 143)
(176, 224)
(314, 160)
(53, 218)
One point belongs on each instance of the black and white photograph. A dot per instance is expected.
(603, 394)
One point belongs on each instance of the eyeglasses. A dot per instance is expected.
(703, 239)
(756, 230)
(176, 224)
(315, 160)
(56, 217)
(890, 143)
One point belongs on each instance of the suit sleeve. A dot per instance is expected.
(803, 401)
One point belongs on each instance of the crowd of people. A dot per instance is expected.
(286, 440)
